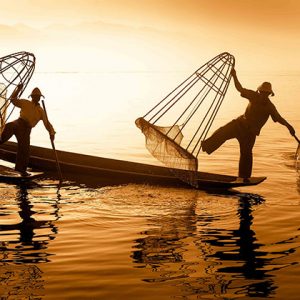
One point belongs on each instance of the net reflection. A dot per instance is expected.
(197, 252)
(166, 243)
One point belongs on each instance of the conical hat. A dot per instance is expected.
(266, 87)
(36, 92)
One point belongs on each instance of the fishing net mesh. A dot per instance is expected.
(194, 105)
(164, 144)
(3, 106)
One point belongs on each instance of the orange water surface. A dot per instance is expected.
(152, 242)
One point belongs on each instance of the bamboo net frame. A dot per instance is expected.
(191, 109)
(15, 69)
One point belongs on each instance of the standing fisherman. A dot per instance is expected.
(246, 127)
(31, 113)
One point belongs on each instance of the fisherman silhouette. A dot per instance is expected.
(31, 113)
(246, 127)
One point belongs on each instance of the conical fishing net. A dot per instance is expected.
(3, 105)
(15, 69)
(190, 109)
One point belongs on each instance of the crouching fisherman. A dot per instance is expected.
(31, 113)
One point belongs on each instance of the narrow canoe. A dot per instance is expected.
(104, 171)
(10, 175)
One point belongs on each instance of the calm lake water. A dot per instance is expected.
(152, 242)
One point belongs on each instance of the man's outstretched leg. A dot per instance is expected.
(7, 132)
(220, 136)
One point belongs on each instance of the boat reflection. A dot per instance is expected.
(198, 253)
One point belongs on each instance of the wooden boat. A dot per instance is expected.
(104, 171)
(10, 175)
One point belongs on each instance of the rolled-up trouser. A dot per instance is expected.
(21, 130)
(234, 129)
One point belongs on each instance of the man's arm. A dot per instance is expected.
(284, 122)
(48, 126)
(14, 96)
(237, 84)
(278, 118)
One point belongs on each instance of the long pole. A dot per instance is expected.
(53, 147)
(297, 139)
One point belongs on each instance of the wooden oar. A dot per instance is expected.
(53, 147)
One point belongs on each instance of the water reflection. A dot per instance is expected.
(246, 258)
(199, 254)
(298, 176)
(165, 243)
(24, 243)
(27, 240)
(21, 281)
(293, 162)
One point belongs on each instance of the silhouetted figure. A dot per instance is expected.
(31, 113)
(246, 127)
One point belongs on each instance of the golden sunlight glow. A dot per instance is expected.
(152, 35)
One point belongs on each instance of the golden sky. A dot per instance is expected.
(152, 34)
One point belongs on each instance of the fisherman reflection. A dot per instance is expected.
(190, 244)
(32, 244)
(21, 278)
(248, 260)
